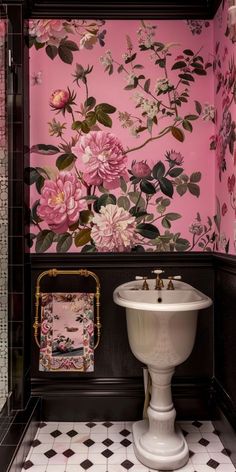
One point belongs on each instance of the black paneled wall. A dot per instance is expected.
(116, 382)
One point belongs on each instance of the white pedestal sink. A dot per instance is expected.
(161, 328)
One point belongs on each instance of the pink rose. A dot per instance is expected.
(104, 158)
(59, 99)
(231, 183)
(140, 169)
(47, 31)
(224, 209)
(60, 202)
(113, 229)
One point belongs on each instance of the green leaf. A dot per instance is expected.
(123, 202)
(104, 119)
(198, 107)
(85, 127)
(182, 244)
(44, 240)
(104, 200)
(172, 216)
(31, 175)
(158, 170)
(166, 187)
(147, 85)
(187, 125)
(65, 54)
(165, 202)
(70, 45)
(165, 222)
(65, 160)
(177, 133)
(200, 71)
(175, 172)
(90, 103)
(123, 184)
(182, 189)
(135, 197)
(196, 65)
(191, 117)
(147, 230)
(34, 215)
(217, 217)
(85, 216)
(64, 242)
(83, 237)
(40, 183)
(194, 189)
(195, 177)
(188, 52)
(91, 119)
(179, 65)
(106, 108)
(45, 149)
(147, 187)
(187, 77)
(51, 51)
(88, 248)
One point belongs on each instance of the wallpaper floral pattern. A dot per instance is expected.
(121, 116)
(223, 142)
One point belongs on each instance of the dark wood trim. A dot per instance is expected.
(201, 259)
(201, 9)
(116, 398)
(225, 262)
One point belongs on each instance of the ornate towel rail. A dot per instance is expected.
(55, 273)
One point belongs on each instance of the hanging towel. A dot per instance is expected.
(67, 332)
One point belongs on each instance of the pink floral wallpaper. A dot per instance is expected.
(121, 116)
(223, 142)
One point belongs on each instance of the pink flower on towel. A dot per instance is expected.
(113, 229)
(61, 202)
(45, 327)
(104, 158)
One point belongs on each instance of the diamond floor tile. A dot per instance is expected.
(107, 447)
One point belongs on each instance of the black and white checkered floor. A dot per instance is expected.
(107, 447)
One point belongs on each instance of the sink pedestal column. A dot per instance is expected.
(158, 442)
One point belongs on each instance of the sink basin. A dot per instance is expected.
(161, 327)
(183, 298)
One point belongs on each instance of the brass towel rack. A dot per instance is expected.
(55, 273)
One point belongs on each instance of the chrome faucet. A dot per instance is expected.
(170, 285)
(159, 282)
(145, 284)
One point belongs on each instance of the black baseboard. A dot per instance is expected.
(116, 399)
(225, 419)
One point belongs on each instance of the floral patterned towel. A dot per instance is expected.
(67, 332)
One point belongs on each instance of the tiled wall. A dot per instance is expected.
(3, 222)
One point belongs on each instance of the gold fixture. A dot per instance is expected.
(145, 284)
(170, 285)
(55, 273)
(159, 282)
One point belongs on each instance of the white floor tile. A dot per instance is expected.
(98, 437)
(59, 459)
(37, 468)
(117, 459)
(63, 438)
(79, 448)
(55, 468)
(80, 438)
(211, 437)
(97, 459)
(201, 458)
(196, 447)
(193, 437)
(65, 427)
(207, 427)
(221, 458)
(77, 459)
(226, 468)
(215, 447)
(38, 459)
(45, 438)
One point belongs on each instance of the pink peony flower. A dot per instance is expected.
(224, 209)
(104, 158)
(59, 99)
(140, 169)
(113, 229)
(60, 202)
(231, 183)
(47, 31)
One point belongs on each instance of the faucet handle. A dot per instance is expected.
(159, 281)
(144, 278)
(170, 284)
